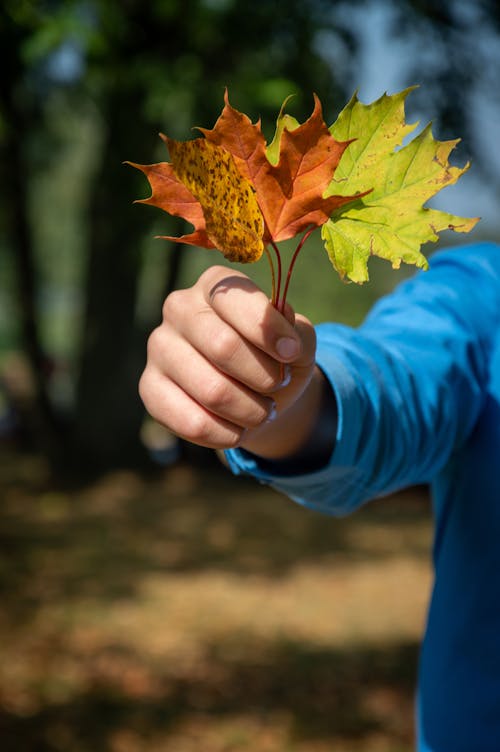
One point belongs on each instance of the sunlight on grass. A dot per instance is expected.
(194, 610)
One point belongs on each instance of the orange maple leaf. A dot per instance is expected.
(171, 195)
(290, 193)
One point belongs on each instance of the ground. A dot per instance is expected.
(195, 612)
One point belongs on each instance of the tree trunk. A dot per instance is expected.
(108, 409)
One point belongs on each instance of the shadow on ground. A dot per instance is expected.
(353, 695)
(53, 542)
(88, 578)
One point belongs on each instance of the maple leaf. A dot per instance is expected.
(290, 186)
(233, 219)
(170, 194)
(284, 120)
(203, 185)
(390, 221)
(355, 180)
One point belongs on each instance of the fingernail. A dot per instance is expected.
(272, 413)
(287, 376)
(286, 347)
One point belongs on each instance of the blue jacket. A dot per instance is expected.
(418, 393)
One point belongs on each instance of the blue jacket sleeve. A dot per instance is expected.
(410, 383)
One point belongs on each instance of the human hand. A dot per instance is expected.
(226, 369)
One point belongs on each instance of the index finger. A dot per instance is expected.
(239, 302)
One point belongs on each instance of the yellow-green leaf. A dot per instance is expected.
(283, 121)
(391, 221)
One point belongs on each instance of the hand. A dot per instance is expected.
(226, 369)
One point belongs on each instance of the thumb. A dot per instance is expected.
(289, 314)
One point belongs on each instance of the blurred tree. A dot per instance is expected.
(146, 66)
(19, 111)
(452, 50)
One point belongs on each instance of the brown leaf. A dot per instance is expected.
(234, 222)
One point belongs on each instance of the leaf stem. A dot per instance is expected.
(278, 285)
(273, 275)
(281, 303)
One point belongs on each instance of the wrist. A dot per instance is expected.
(303, 437)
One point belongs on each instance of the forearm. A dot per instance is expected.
(405, 400)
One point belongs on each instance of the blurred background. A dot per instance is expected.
(151, 601)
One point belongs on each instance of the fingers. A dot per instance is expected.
(219, 343)
(251, 314)
(224, 362)
(199, 378)
(167, 403)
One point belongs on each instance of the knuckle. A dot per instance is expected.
(197, 427)
(215, 271)
(174, 305)
(216, 393)
(143, 387)
(225, 346)
(146, 391)
(154, 344)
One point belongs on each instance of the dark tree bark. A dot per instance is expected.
(108, 410)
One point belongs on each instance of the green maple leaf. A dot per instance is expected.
(390, 221)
